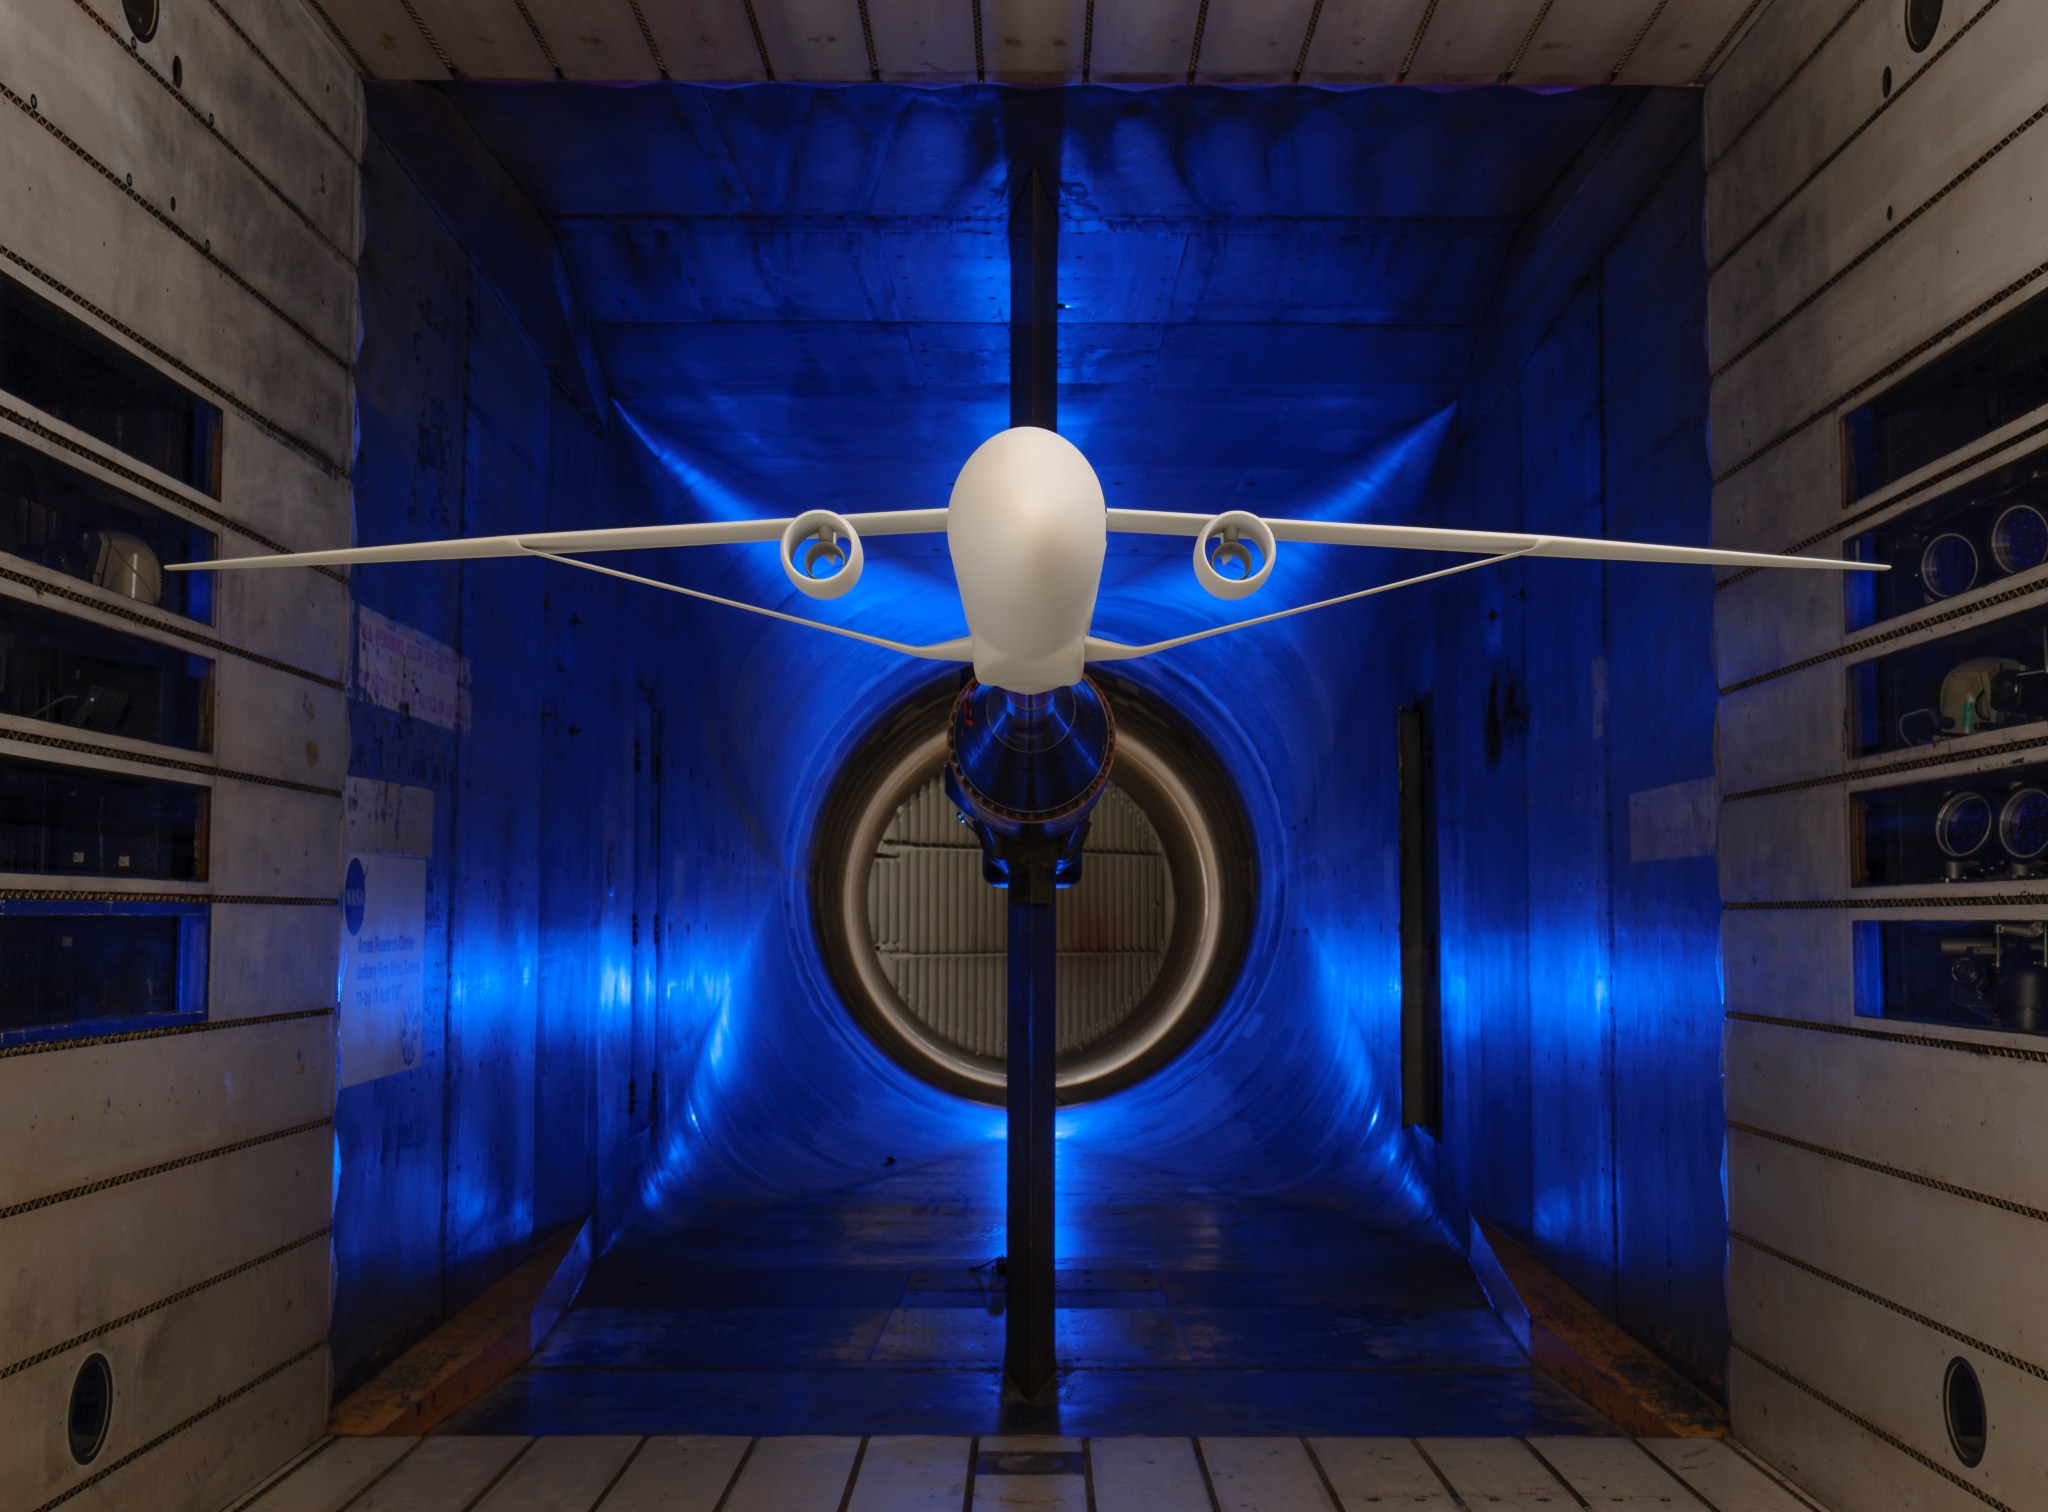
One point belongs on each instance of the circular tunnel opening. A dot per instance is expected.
(1151, 937)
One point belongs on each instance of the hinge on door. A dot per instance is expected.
(656, 936)
(636, 929)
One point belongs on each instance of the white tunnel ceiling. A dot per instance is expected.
(1532, 42)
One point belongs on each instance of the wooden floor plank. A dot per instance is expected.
(560, 1475)
(1264, 1475)
(913, 1474)
(442, 1475)
(1147, 1475)
(801, 1473)
(1369, 1472)
(677, 1474)
(1613, 1472)
(1722, 1477)
(1499, 1474)
(327, 1480)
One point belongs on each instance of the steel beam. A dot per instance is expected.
(1028, 1355)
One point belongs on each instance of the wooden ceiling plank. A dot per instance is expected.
(1362, 41)
(1472, 41)
(1037, 41)
(704, 41)
(1254, 44)
(817, 40)
(484, 39)
(924, 41)
(595, 40)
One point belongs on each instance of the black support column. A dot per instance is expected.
(1034, 304)
(1028, 1357)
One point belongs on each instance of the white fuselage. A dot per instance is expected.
(1028, 528)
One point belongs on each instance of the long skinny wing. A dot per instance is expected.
(1479, 542)
(561, 542)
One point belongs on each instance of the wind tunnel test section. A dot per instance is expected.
(1238, 1023)
(1310, 780)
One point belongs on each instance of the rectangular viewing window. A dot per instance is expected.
(56, 362)
(1970, 827)
(1978, 973)
(68, 521)
(1990, 529)
(82, 676)
(1992, 677)
(1993, 378)
(79, 967)
(80, 822)
(1421, 1012)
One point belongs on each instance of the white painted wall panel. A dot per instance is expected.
(1887, 1370)
(1972, 1121)
(163, 288)
(84, 1115)
(272, 958)
(170, 1231)
(1847, 1221)
(195, 1351)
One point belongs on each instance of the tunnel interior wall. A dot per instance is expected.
(165, 1185)
(522, 771)
(1871, 210)
(1571, 710)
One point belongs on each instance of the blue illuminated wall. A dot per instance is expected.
(516, 1120)
(1573, 713)
(1306, 302)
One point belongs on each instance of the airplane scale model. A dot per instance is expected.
(1028, 529)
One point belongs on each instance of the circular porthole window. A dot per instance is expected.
(1962, 1406)
(1923, 18)
(92, 1408)
(143, 16)
(1150, 938)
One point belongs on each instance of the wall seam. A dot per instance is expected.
(108, 1183)
(2003, 1204)
(1905, 87)
(169, 763)
(204, 1026)
(1807, 301)
(1888, 901)
(206, 121)
(1872, 1429)
(272, 428)
(172, 1432)
(1917, 1041)
(1864, 1292)
(1777, 94)
(286, 84)
(214, 643)
(156, 1307)
(203, 248)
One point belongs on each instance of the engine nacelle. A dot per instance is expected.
(826, 540)
(1230, 532)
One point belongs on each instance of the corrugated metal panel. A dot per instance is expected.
(941, 932)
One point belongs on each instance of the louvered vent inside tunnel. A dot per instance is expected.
(1150, 940)
(940, 931)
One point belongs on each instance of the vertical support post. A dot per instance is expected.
(1028, 1356)
(1034, 305)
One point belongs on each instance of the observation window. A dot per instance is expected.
(82, 822)
(1980, 973)
(1969, 827)
(1993, 378)
(86, 677)
(1991, 529)
(1990, 677)
(68, 521)
(81, 967)
(53, 360)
